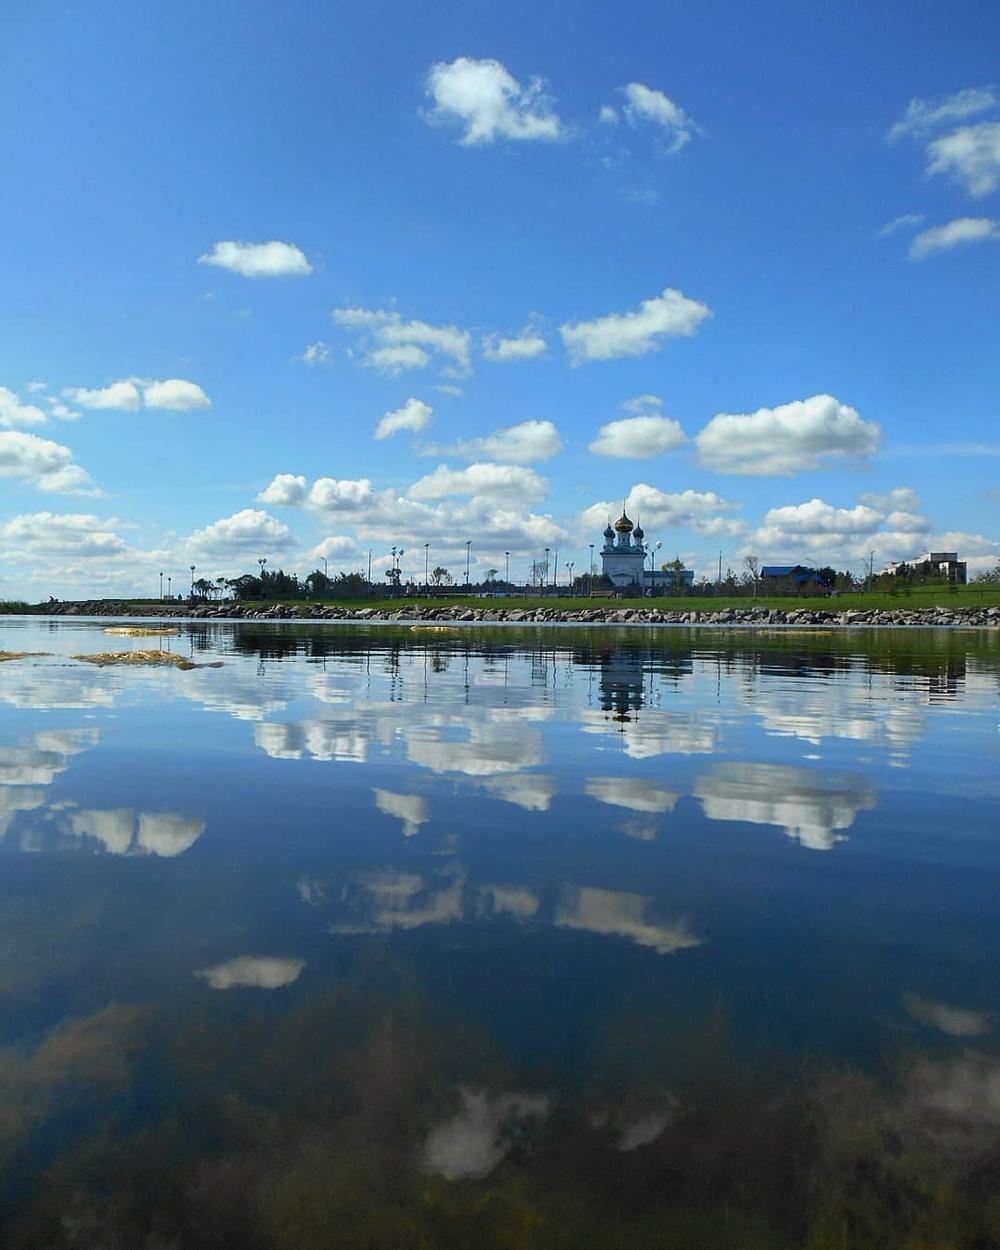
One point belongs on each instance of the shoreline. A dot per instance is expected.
(937, 617)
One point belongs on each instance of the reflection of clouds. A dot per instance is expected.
(616, 914)
(965, 1090)
(34, 763)
(842, 708)
(235, 690)
(631, 792)
(650, 733)
(312, 890)
(806, 806)
(47, 686)
(385, 900)
(123, 831)
(532, 791)
(259, 972)
(643, 1130)
(14, 799)
(491, 746)
(515, 901)
(319, 740)
(956, 1021)
(477, 1137)
(411, 809)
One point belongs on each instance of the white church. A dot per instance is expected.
(624, 556)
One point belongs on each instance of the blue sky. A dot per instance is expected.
(317, 279)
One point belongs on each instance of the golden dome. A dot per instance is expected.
(623, 525)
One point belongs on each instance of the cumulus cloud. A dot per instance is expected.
(789, 439)
(517, 444)
(80, 535)
(525, 346)
(643, 104)
(639, 405)
(261, 972)
(971, 155)
(489, 103)
(130, 394)
(317, 353)
(258, 260)
(175, 395)
(335, 547)
(904, 222)
(414, 415)
(492, 481)
(961, 231)
(922, 116)
(699, 510)
(13, 413)
(392, 344)
(284, 490)
(119, 396)
(899, 497)
(819, 531)
(638, 437)
(634, 333)
(42, 463)
(328, 494)
(249, 529)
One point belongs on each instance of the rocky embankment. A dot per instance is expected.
(586, 613)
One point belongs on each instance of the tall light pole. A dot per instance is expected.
(652, 552)
(192, 582)
(590, 587)
(262, 561)
(169, 580)
(506, 571)
(468, 549)
(399, 567)
(161, 587)
(555, 571)
(569, 566)
(427, 556)
(545, 572)
(369, 571)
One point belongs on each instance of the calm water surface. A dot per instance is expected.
(545, 938)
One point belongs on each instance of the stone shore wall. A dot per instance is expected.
(585, 613)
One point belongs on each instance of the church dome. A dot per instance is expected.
(639, 533)
(609, 532)
(623, 525)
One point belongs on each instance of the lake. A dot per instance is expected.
(392, 937)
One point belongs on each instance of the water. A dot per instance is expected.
(543, 938)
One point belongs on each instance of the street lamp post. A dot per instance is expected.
(399, 568)
(506, 571)
(569, 567)
(161, 587)
(427, 556)
(545, 572)
(169, 580)
(262, 561)
(192, 582)
(590, 584)
(555, 572)
(468, 549)
(652, 552)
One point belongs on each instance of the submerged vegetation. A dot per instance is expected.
(163, 658)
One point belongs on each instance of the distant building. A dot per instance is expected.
(944, 564)
(624, 555)
(798, 575)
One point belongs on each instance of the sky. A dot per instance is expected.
(312, 280)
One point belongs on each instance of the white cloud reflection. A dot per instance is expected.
(613, 913)
(473, 1141)
(260, 972)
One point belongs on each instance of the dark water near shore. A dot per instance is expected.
(542, 938)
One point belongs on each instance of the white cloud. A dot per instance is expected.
(638, 437)
(971, 154)
(80, 535)
(249, 529)
(525, 346)
(788, 439)
(953, 234)
(13, 413)
(175, 395)
(414, 415)
(317, 353)
(643, 104)
(904, 222)
(284, 490)
(119, 396)
(253, 972)
(130, 394)
(258, 260)
(922, 116)
(639, 405)
(899, 497)
(608, 115)
(818, 517)
(517, 444)
(697, 509)
(488, 481)
(634, 333)
(489, 103)
(335, 547)
(394, 344)
(819, 532)
(327, 494)
(42, 463)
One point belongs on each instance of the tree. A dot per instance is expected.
(441, 576)
(988, 577)
(491, 574)
(317, 583)
(203, 587)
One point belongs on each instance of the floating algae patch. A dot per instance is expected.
(140, 631)
(165, 658)
(434, 629)
(19, 655)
